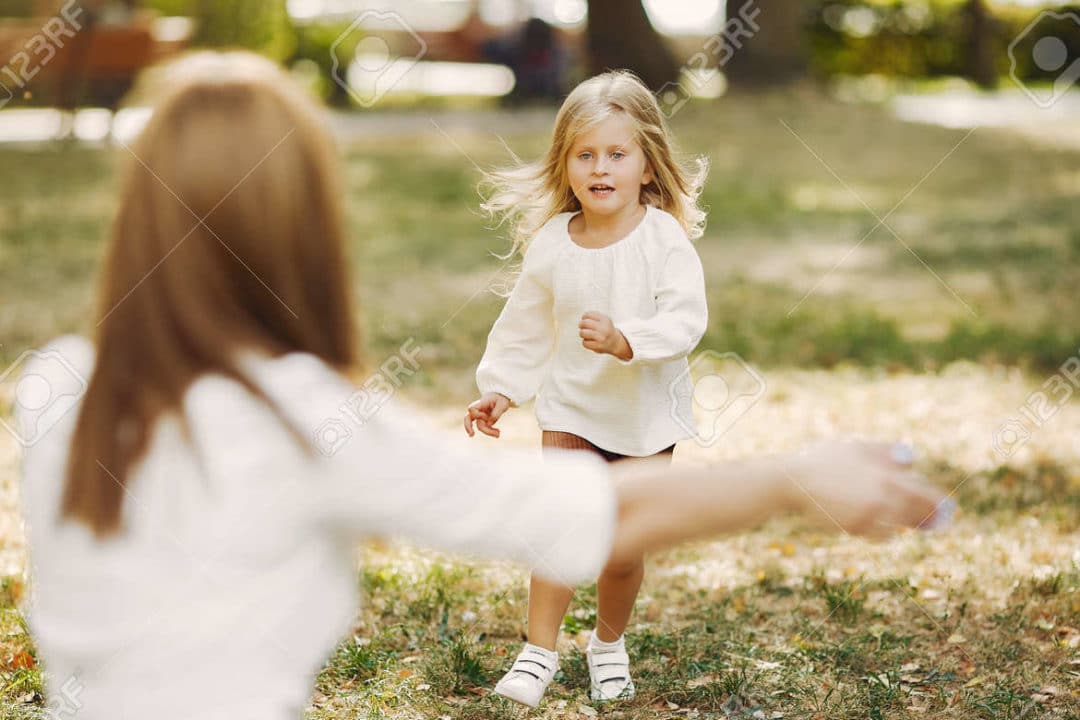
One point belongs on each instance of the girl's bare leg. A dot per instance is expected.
(616, 591)
(548, 602)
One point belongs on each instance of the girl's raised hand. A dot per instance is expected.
(599, 334)
(485, 412)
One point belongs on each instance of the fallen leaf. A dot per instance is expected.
(587, 711)
(23, 660)
(956, 639)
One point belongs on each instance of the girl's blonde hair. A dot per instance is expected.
(228, 237)
(527, 195)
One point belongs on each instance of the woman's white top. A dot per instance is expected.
(651, 284)
(235, 574)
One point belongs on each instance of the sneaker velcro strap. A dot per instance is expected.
(611, 666)
(529, 662)
(613, 657)
(610, 674)
(523, 671)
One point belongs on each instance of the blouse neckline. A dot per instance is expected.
(634, 231)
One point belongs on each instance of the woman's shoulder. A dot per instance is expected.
(296, 377)
(64, 353)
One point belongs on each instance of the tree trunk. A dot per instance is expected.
(980, 51)
(619, 36)
(767, 43)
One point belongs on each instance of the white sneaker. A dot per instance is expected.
(529, 676)
(609, 671)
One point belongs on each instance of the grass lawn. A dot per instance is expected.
(937, 333)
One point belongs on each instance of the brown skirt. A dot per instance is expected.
(569, 441)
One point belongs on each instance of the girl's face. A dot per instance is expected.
(606, 166)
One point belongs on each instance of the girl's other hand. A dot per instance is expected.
(599, 334)
(485, 412)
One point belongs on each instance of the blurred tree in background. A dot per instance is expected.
(778, 53)
(619, 35)
(260, 25)
(980, 49)
(920, 39)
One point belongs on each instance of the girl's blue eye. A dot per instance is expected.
(618, 155)
(584, 156)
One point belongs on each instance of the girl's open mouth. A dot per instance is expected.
(601, 191)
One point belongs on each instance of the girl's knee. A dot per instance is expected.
(624, 568)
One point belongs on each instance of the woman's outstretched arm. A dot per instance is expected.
(848, 485)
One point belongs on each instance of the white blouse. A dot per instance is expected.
(651, 284)
(235, 574)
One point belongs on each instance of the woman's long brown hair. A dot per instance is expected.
(228, 237)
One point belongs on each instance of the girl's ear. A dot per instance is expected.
(647, 176)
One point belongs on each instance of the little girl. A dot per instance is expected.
(609, 303)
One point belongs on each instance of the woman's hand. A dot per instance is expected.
(865, 488)
(486, 412)
(600, 335)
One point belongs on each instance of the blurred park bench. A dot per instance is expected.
(85, 58)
